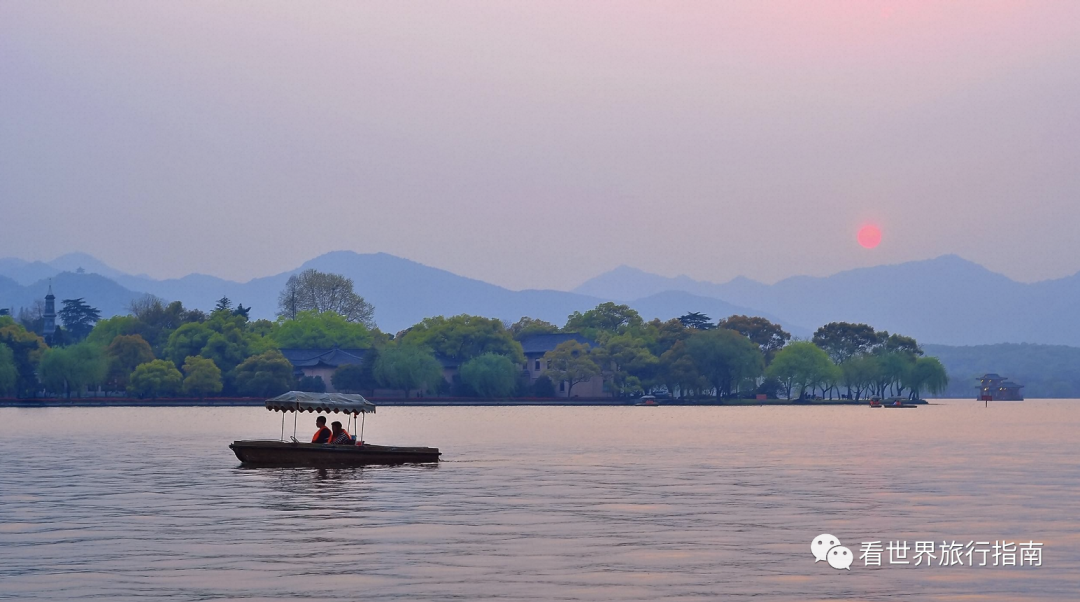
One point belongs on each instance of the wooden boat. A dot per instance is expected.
(325, 455)
(647, 400)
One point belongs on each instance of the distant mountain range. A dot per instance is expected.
(402, 291)
(947, 300)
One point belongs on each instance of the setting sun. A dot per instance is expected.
(869, 236)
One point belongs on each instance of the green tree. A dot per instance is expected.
(801, 365)
(228, 349)
(899, 343)
(632, 367)
(158, 378)
(357, 377)
(108, 329)
(543, 387)
(406, 368)
(697, 321)
(859, 373)
(662, 336)
(27, 349)
(526, 327)
(224, 304)
(313, 330)
(769, 337)
(570, 362)
(242, 311)
(896, 367)
(490, 375)
(464, 337)
(679, 372)
(351, 378)
(604, 318)
(311, 384)
(261, 328)
(842, 340)
(202, 377)
(123, 355)
(64, 370)
(227, 338)
(9, 373)
(725, 358)
(78, 318)
(156, 319)
(928, 374)
(312, 290)
(264, 375)
(187, 340)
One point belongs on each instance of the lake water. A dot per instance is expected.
(561, 503)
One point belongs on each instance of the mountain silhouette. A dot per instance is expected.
(947, 300)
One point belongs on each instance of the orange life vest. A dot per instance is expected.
(321, 436)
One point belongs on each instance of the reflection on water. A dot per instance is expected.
(538, 504)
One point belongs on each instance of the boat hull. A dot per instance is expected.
(320, 455)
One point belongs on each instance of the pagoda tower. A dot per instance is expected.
(50, 316)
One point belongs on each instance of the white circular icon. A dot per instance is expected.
(821, 544)
(840, 558)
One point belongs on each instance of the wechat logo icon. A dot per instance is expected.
(827, 547)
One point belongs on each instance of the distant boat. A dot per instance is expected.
(647, 400)
(896, 402)
(280, 453)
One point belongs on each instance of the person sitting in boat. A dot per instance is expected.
(323, 434)
(339, 435)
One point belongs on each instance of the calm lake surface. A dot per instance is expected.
(560, 503)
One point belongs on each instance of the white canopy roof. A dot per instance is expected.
(299, 401)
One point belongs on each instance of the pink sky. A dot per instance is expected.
(537, 144)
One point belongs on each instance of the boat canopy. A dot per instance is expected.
(300, 401)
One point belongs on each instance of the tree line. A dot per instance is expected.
(162, 349)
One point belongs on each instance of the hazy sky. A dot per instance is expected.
(538, 144)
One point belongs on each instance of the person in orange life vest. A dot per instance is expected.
(339, 435)
(322, 435)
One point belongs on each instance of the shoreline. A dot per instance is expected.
(422, 402)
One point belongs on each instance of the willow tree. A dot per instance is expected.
(407, 368)
(928, 374)
(802, 365)
(490, 375)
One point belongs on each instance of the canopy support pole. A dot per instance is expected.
(362, 422)
(294, 419)
(283, 426)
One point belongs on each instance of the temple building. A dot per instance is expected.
(994, 387)
(322, 363)
(535, 346)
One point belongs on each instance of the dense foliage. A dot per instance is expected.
(164, 349)
(315, 330)
(490, 375)
(407, 368)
